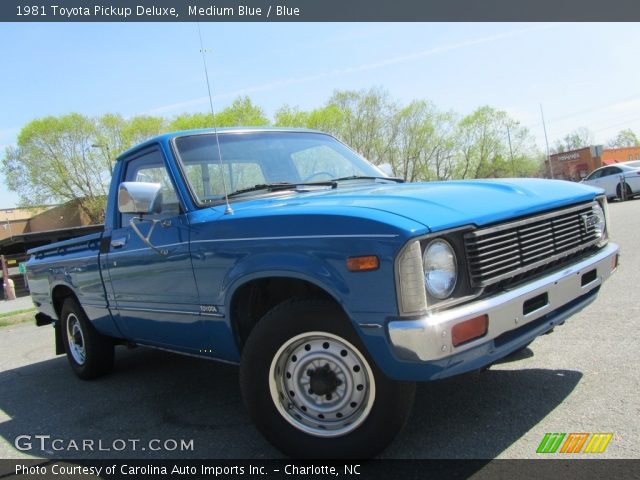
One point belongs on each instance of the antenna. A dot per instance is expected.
(546, 141)
(228, 210)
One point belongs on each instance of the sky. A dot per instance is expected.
(583, 74)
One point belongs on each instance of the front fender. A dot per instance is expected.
(290, 265)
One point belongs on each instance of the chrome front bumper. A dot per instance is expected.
(429, 338)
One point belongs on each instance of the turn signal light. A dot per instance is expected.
(361, 264)
(469, 330)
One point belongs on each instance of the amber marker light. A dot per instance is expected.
(362, 264)
(469, 330)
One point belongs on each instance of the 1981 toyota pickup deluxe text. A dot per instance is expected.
(333, 286)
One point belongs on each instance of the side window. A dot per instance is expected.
(150, 167)
(595, 175)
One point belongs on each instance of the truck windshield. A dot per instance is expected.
(265, 158)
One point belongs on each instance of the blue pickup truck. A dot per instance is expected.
(333, 286)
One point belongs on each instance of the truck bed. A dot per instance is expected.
(73, 262)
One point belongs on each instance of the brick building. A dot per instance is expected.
(25, 228)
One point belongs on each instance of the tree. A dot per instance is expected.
(71, 158)
(241, 113)
(492, 145)
(287, 116)
(365, 121)
(55, 162)
(114, 134)
(625, 138)
(579, 138)
(424, 144)
(190, 121)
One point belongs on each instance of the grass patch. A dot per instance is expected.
(18, 316)
(17, 312)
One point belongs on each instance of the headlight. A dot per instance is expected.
(440, 269)
(600, 221)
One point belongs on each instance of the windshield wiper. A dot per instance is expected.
(274, 187)
(365, 177)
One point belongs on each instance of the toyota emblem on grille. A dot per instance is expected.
(588, 220)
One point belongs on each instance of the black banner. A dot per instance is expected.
(317, 10)
(281, 469)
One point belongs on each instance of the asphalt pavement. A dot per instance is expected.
(582, 378)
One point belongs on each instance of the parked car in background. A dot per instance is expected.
(634, 164)
(608, 178)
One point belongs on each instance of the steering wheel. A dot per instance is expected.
(317, 174)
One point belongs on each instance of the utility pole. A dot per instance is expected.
(513, 167)
(7, 283)
(6, 214)
(546, 141)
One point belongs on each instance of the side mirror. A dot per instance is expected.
(139, 198)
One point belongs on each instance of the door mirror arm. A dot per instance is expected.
(163, 252)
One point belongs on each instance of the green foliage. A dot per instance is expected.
(424, 146)
(625, 138)
(190, 121)
(293, 117)
(491, 145)
(241, 113)
(71, 157)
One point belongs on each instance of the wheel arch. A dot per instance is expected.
(59, 294)
(264, 292)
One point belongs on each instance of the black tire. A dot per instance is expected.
(364, 430)
(89, 353)
(628, 191)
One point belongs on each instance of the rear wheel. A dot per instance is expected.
(89, 353)
(312, 390)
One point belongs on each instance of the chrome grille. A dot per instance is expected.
(511, 249)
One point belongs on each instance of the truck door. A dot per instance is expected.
(154, 289)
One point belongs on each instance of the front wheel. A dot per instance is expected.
(311, 388)
(89, 353)
(628, 192)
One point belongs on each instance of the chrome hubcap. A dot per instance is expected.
(75, 338)
(321, 384)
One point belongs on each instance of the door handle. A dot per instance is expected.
(118, 242)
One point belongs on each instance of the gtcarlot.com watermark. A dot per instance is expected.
(47, 443)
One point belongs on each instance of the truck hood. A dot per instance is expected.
(436, 205)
